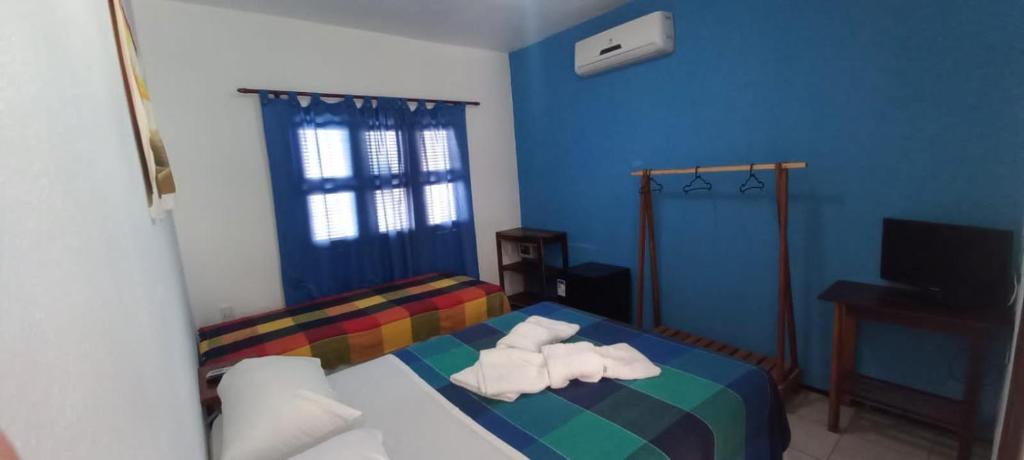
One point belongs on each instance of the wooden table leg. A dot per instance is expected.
(501, 263)
(834, 395)
(849, 352)
(971, 388)
(543, 270)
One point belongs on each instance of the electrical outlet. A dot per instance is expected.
(227, 312)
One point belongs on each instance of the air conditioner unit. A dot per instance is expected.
(641, 39)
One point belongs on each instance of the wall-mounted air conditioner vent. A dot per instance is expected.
(641, 39)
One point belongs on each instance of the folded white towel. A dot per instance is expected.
(568, 361)
(504, 371)
(504, 374)
(529, 359)
(469, 378)
(536, 332)
(624, 362)
(560, 328)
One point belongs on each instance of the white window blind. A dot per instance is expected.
(332, 216)
(434, 155)
(392, 209)
(326, 153)
(440, 203)
(382, 152)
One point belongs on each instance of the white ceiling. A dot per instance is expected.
(502, 25)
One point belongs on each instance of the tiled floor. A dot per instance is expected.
(864, 434)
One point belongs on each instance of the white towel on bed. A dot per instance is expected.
(569, 361)
(504, 374)
(529, 359)
(536, 332)
(624, 362)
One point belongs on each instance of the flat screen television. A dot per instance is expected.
(957, 265)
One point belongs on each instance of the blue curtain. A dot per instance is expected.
(365, 194)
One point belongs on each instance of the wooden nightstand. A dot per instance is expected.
(538, 275)
(208, 397)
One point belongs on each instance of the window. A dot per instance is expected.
(392, 210)
(439, 198)
(328, 166)
(434, 156)
(440, 202)
(326, 153)
(332, 216)
(382, 152)
(385, 159)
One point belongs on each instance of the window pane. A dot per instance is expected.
(382, 152)
(392, 210)
(434, 156)
(440, 201)
(332, 216)
(326, 152)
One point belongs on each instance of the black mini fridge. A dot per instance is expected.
(597, 288)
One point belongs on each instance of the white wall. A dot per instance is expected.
(96, 343)
(195, 58)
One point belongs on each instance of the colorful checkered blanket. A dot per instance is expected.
(702, 406)
(359, 325)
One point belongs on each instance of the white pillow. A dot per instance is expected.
(361, 444)
(278, 406)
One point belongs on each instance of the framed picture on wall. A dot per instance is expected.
(156, 169)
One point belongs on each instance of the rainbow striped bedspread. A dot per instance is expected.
(359, 325)
(702, 406)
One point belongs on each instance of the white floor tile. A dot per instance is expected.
(793, 454)
(876, 436)
(866, 434)
(861, 449)
(811, 438)
(813, 407)
(890, 432)
(947, 451)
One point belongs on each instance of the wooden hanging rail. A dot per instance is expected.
(281, 92)
(729, 168)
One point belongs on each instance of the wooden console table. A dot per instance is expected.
(859, 301)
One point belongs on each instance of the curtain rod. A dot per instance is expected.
(357, 96)
(729, 168)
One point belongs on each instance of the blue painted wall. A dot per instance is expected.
(912, 109)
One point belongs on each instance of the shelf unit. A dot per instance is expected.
(537, 274)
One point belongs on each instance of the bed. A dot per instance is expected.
(702, 406)
(356, 326)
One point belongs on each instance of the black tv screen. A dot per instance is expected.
(960, 265)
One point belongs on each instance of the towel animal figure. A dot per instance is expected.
(536, 332)
(570, 361)
(529, 360)
(504, 374)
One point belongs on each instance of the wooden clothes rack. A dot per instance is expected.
(785, 372)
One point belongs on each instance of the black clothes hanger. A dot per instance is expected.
(655, 185)
(747, 185)
(698, 182)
